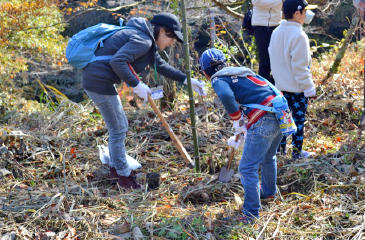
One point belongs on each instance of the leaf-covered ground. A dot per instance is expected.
(53, 185)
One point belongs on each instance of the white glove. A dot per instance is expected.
(240, 125)
(239, 144)
(198, 86)
(142, 90)
(310, 92)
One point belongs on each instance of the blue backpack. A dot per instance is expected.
(80, 49)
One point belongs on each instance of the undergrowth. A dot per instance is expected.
(53, 185)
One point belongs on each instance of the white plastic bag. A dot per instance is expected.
(104, 154)
(132, 163)
(105, 159)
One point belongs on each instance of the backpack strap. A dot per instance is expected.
(98, 58)
(265, 108)
(258, 106)
(277, 92)
(101, 44)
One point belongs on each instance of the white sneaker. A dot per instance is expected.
(303, 155)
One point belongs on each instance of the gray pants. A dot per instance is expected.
(116, 121)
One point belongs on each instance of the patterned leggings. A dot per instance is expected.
(298, 104)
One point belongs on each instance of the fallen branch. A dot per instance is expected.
(263, 229)
(189, 234)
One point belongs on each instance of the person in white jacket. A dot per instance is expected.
(290, 64)
(360, 6)
(266, 17)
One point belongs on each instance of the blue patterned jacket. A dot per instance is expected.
(237, 86)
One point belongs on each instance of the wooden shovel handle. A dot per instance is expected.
(174, 138)
(231, 155)
(176, 141)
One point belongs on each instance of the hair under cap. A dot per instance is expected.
(170, 21)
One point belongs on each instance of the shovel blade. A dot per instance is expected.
(225, 175)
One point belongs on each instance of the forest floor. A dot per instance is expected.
(53, 185)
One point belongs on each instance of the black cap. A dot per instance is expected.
(291, 6)
(169, 21)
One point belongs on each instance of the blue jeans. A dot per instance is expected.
(262, 140)
(116, 121)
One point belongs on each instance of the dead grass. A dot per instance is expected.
(53, 186)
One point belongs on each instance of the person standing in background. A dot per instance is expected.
(266, 17)
(360, 6)
(291, 60)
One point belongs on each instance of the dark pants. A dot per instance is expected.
(263, 35)
(298, 104)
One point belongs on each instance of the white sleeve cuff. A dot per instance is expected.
(310, 92)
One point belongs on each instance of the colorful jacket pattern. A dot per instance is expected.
(238, 86)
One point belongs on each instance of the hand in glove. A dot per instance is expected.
(198, 86)
(142, 90)
(239, 144)
(240, 125)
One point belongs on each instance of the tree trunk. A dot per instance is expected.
(190, 89)
(212, 30)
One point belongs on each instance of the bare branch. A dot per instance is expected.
(232, 38)
(100, 8)
(334, 3)
(96, 8)
(120, 7)
(227, 9)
